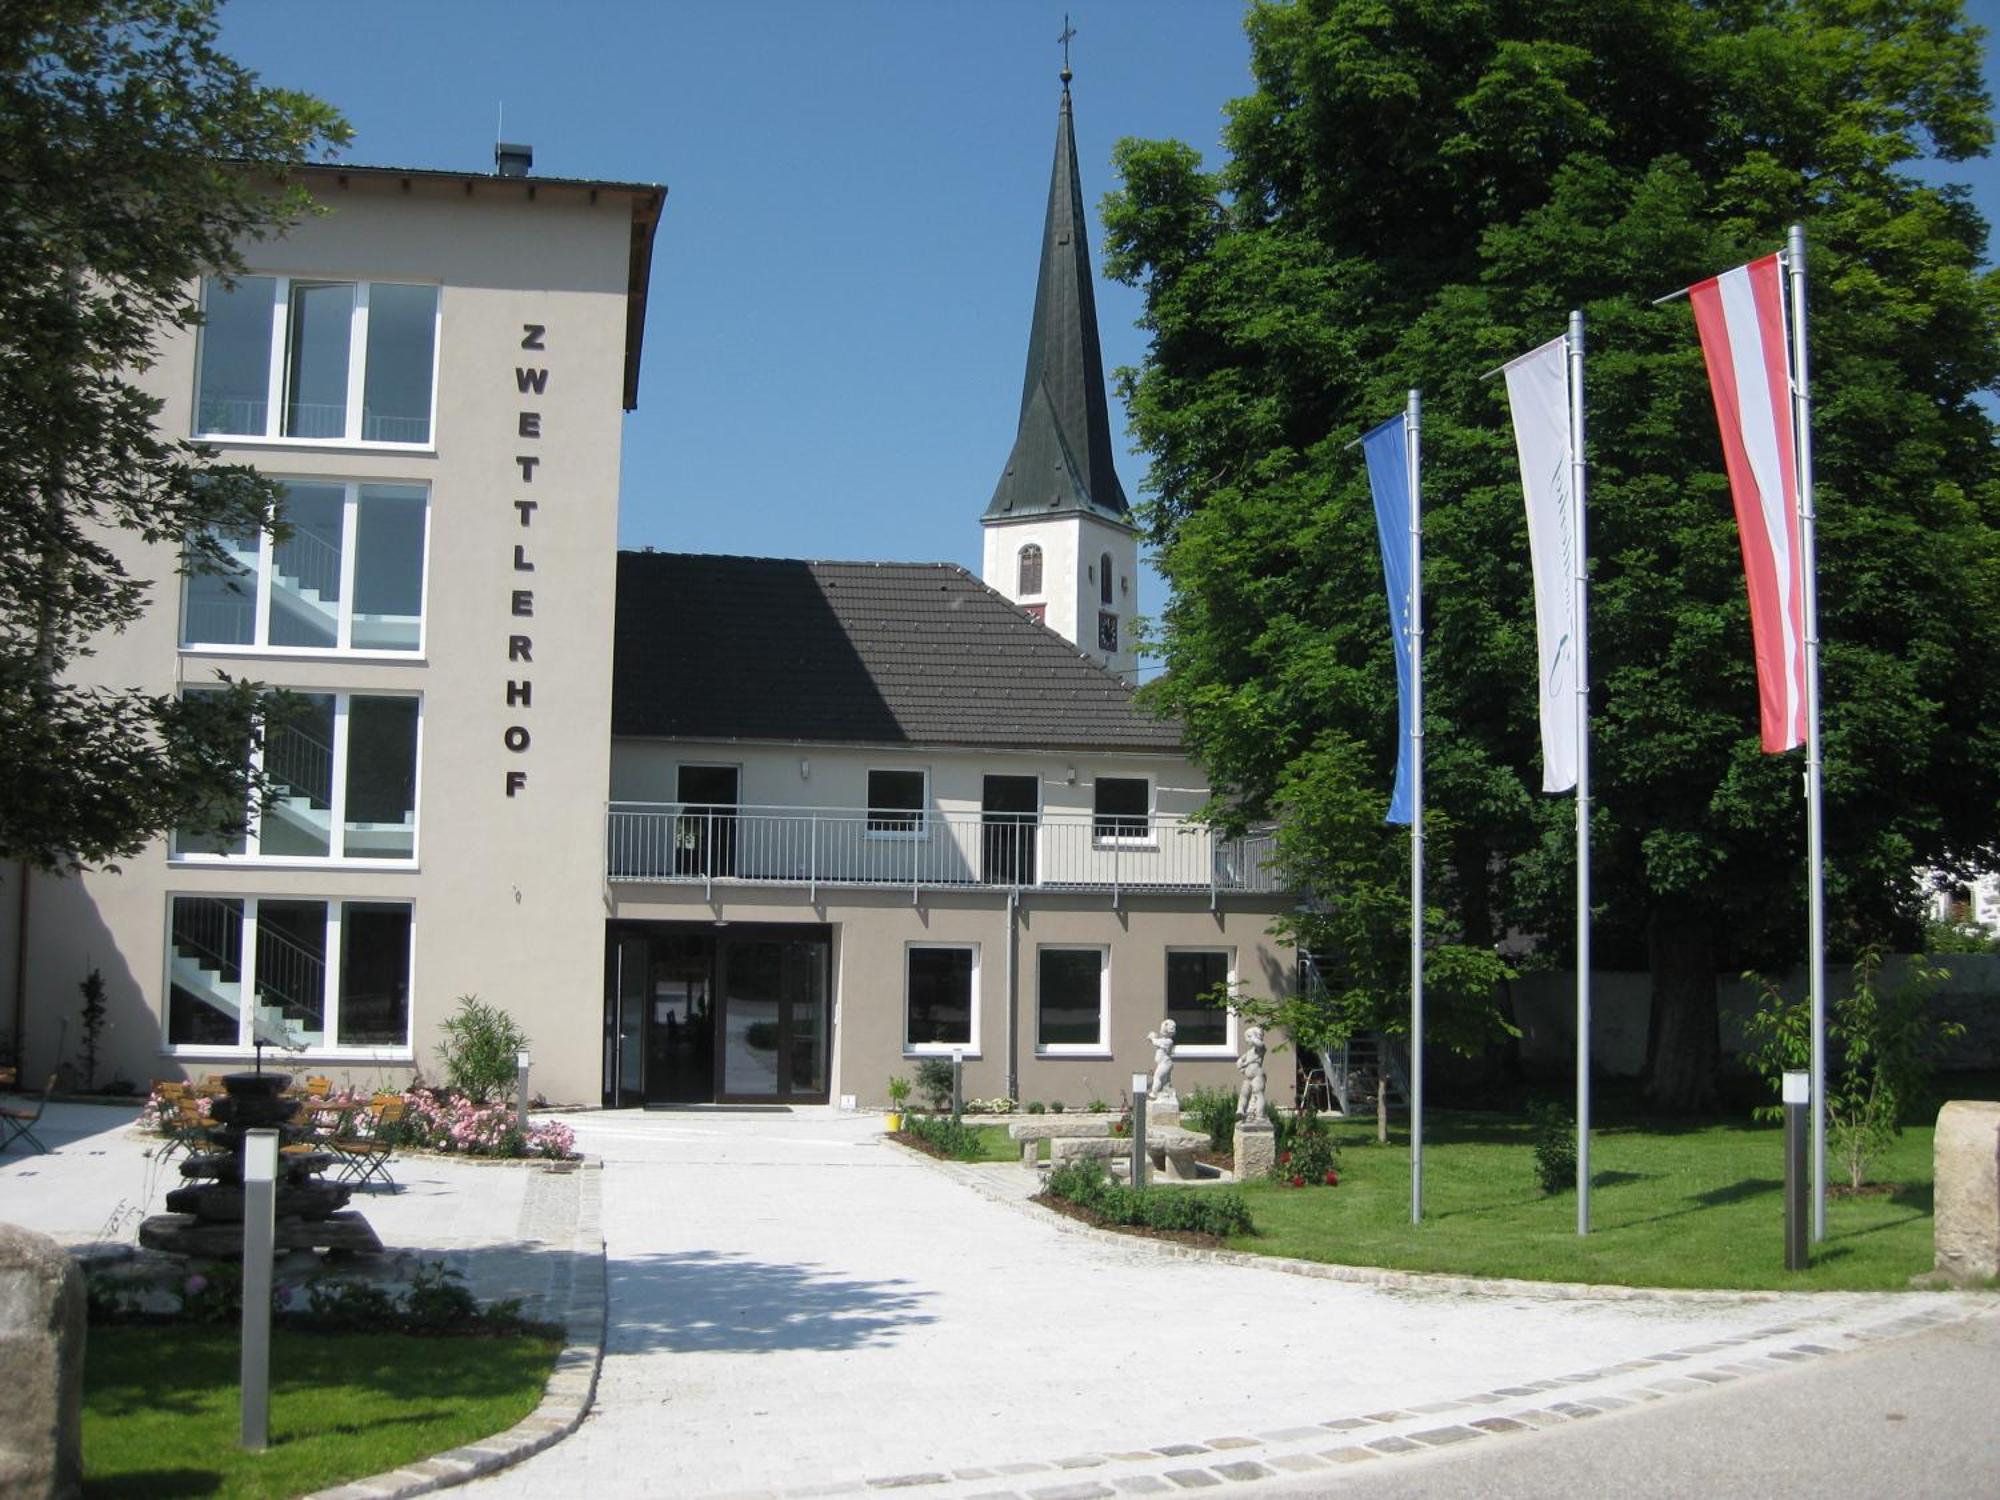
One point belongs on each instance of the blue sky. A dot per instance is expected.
(846, 264)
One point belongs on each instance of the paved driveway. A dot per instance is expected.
(799, 1307)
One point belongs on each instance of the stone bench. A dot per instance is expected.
(1029, 1134)
(1172, 1151)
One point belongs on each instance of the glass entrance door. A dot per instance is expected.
(696, 1014)
(774, 1019)
(680, 1019)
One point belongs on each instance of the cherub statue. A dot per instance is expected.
(1250, 1098)
(1163, 1057)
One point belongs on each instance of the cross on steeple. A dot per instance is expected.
(1068, 31)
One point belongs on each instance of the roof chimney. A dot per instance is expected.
(513, 161)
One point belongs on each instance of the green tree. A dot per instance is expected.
(1416, 192)
(134, 158)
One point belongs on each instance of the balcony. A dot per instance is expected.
(670, 843)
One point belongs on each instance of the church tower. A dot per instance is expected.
(1060, 541)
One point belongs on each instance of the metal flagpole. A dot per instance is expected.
(1795, 268)
(1581, 598)
(1412, 436)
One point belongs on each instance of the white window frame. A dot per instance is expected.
(970, 1046)
(921, 813)
(329, 1050)
(1146, 840)
(1231, 1045)
(357, 367)
(1102, 1046)
(343, 646)
(337, 813)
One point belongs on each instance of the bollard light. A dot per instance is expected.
(1797, 1096)
(260, 1192)
(1140, 1160)
(521, 1088)
(957, 1084)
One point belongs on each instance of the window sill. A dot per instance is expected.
(282, 1062)
(289, 862)
(367, 654)
(1208, 1051)
(1072, 1049)
(312, 445)
(939, 1049)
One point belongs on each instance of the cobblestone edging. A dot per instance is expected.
(575, 1300)
(1342, 1442)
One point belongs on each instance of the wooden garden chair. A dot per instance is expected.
(364, 1156)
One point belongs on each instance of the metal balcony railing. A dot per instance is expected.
(677, 843)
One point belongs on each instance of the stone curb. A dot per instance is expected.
(982, 1179)
(572, 1383)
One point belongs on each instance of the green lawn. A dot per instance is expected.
(161, 1413)
(1694, 1206)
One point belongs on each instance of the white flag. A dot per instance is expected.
(1538, 392)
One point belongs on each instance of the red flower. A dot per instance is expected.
(1298, 1182)
(1332, 1178)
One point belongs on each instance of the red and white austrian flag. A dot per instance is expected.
(1741, 318)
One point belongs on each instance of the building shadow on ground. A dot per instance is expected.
(695, 1301)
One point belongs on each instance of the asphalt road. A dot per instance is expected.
(1916, 1417)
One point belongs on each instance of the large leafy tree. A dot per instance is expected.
(134, 158)
(1418, 191)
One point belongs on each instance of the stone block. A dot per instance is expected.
(41, 1349)
(1966, 1157)
(1256, 1150)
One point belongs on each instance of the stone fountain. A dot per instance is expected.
(205, 1216)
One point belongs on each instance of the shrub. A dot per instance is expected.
(1882, 1047)
(1212, 1110)
(1056, 1106)
(478, 1050)
(1097, 1107)
(1555, 1146)
(1189, 1210)
(1310, 1158)
(945, 1136)
(93, 1024)
(1035, 1106)
(899, 1092)
(934, 1081)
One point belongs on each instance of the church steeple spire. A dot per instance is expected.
(1062, 451)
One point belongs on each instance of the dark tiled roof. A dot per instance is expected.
(1061, 460)
(765, 648)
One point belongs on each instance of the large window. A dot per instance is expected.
(896, 802)
(346, 573)
(1072, 995)
(942, 997)
(333, 361)
(1105, 594)
(1122, 810)
(345, 770)
(1193, 973)
(323, 974)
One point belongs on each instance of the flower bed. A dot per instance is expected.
(433, 1120)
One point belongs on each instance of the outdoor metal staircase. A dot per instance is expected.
(291, 980)
(1351, 1071)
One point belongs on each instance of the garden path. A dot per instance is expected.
(799, 1307)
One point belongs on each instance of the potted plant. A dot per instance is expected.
(899, 1095)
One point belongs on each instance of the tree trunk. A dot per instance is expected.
(1683, 1047)
(1382, 1092)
